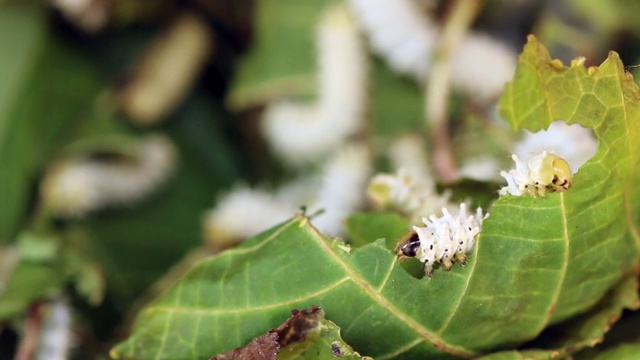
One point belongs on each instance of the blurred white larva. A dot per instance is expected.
(56, 337)
(75, 186)
(301, 132)
(405, 36)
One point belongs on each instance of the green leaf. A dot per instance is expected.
(583, 331)
(281, 61)
(609, 16)
(622, 352)
(537, 261)
(29, 281)
(592, 227)
(137, 244)
(588, 329)
(46, 89)
(213, 305)
(36, 247)
(44, 264)
(365, 228)
(397, 102)
(520, 355)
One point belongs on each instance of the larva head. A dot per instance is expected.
(548, 173)
(553, 167)
(562, 177)
(408, 246)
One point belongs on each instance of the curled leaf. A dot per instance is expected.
(263, 347)
(289, 337)
(537, 262)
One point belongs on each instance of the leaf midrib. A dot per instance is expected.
(462, 293)
(375, 295)
(563, 271)
(244, 310)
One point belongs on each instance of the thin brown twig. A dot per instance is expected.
(29, 342)
(462, 14)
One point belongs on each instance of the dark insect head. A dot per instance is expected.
(408, 246)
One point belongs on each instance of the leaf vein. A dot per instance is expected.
(400, 350)
(218, 311)
(462, 293)
(565, 263)
(377, 297)
(387, 276)
(165, 333)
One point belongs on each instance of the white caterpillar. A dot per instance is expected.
(444, 240)
(542, 173)
(301, 132)
(337, 189)
(406, 38)
(75, 186)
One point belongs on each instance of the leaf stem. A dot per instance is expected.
(29, 342)
(462, 14)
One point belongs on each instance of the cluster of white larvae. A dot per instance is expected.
(448, 239)
(444, 240)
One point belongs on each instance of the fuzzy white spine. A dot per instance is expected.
(447, 239)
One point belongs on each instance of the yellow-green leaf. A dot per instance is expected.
(598, 217)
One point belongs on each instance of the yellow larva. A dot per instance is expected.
(553, 175)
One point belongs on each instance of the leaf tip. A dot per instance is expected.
(613, 55)
(557, 64)
(579, 61)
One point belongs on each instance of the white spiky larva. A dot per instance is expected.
(542, 173)
(444, 240)
(74, 187)
(545, 171)
(301, 132)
